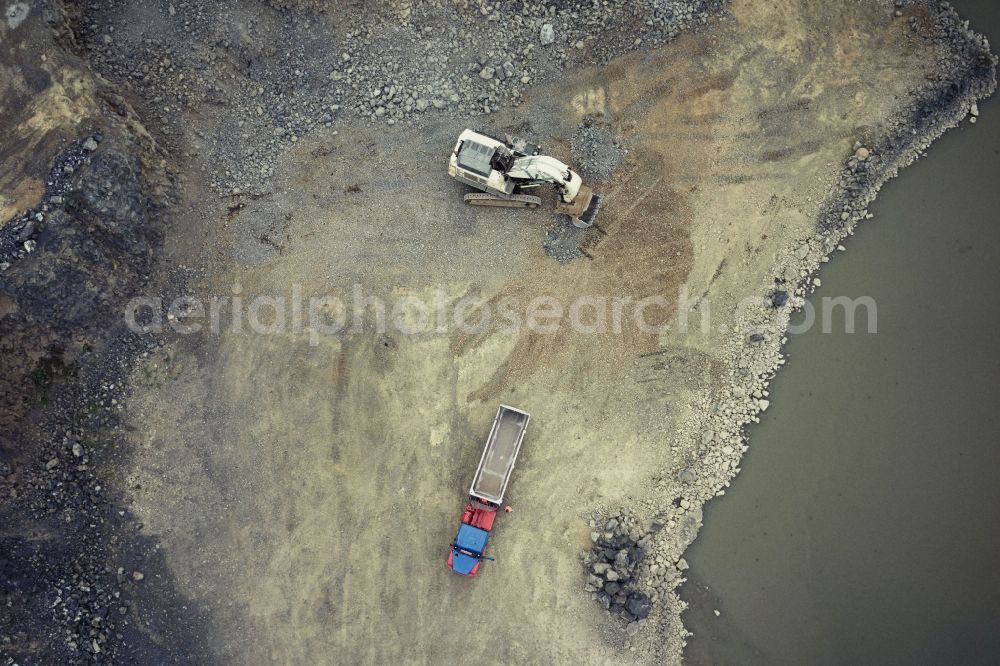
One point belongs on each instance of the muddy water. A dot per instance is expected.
(863, 528)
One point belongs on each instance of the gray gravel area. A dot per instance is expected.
(272, 72)
(564, 242)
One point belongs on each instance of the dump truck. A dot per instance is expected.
(488, 487)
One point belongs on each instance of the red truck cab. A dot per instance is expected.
(467, 551)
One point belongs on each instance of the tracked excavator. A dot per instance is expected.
(505, 172)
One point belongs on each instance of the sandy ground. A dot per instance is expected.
(306, 494)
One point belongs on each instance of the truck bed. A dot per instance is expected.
(500, 454)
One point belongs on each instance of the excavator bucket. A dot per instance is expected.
(588, 216)
(583, 211)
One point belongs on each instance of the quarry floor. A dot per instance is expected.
(304, 489)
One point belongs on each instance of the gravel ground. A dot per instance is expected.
(95, 589)
(597, 152)
(68, 262)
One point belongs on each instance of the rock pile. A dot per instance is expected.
(563, 241)
(612, 568)
(67, 266)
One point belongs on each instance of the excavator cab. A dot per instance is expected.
(475, 157)
(502, 160)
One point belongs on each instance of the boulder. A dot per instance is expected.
(639, 605)
(547, 35)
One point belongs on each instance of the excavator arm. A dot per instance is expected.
(578, 201)
(548, 169)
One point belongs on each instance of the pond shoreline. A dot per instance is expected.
(967, 76)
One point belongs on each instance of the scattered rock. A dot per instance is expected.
(16, 13)
(548, 34)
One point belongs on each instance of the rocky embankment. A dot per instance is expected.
(74, 567)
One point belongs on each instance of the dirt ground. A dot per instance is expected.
(306, 494)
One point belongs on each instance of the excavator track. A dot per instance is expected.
(515, 200)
